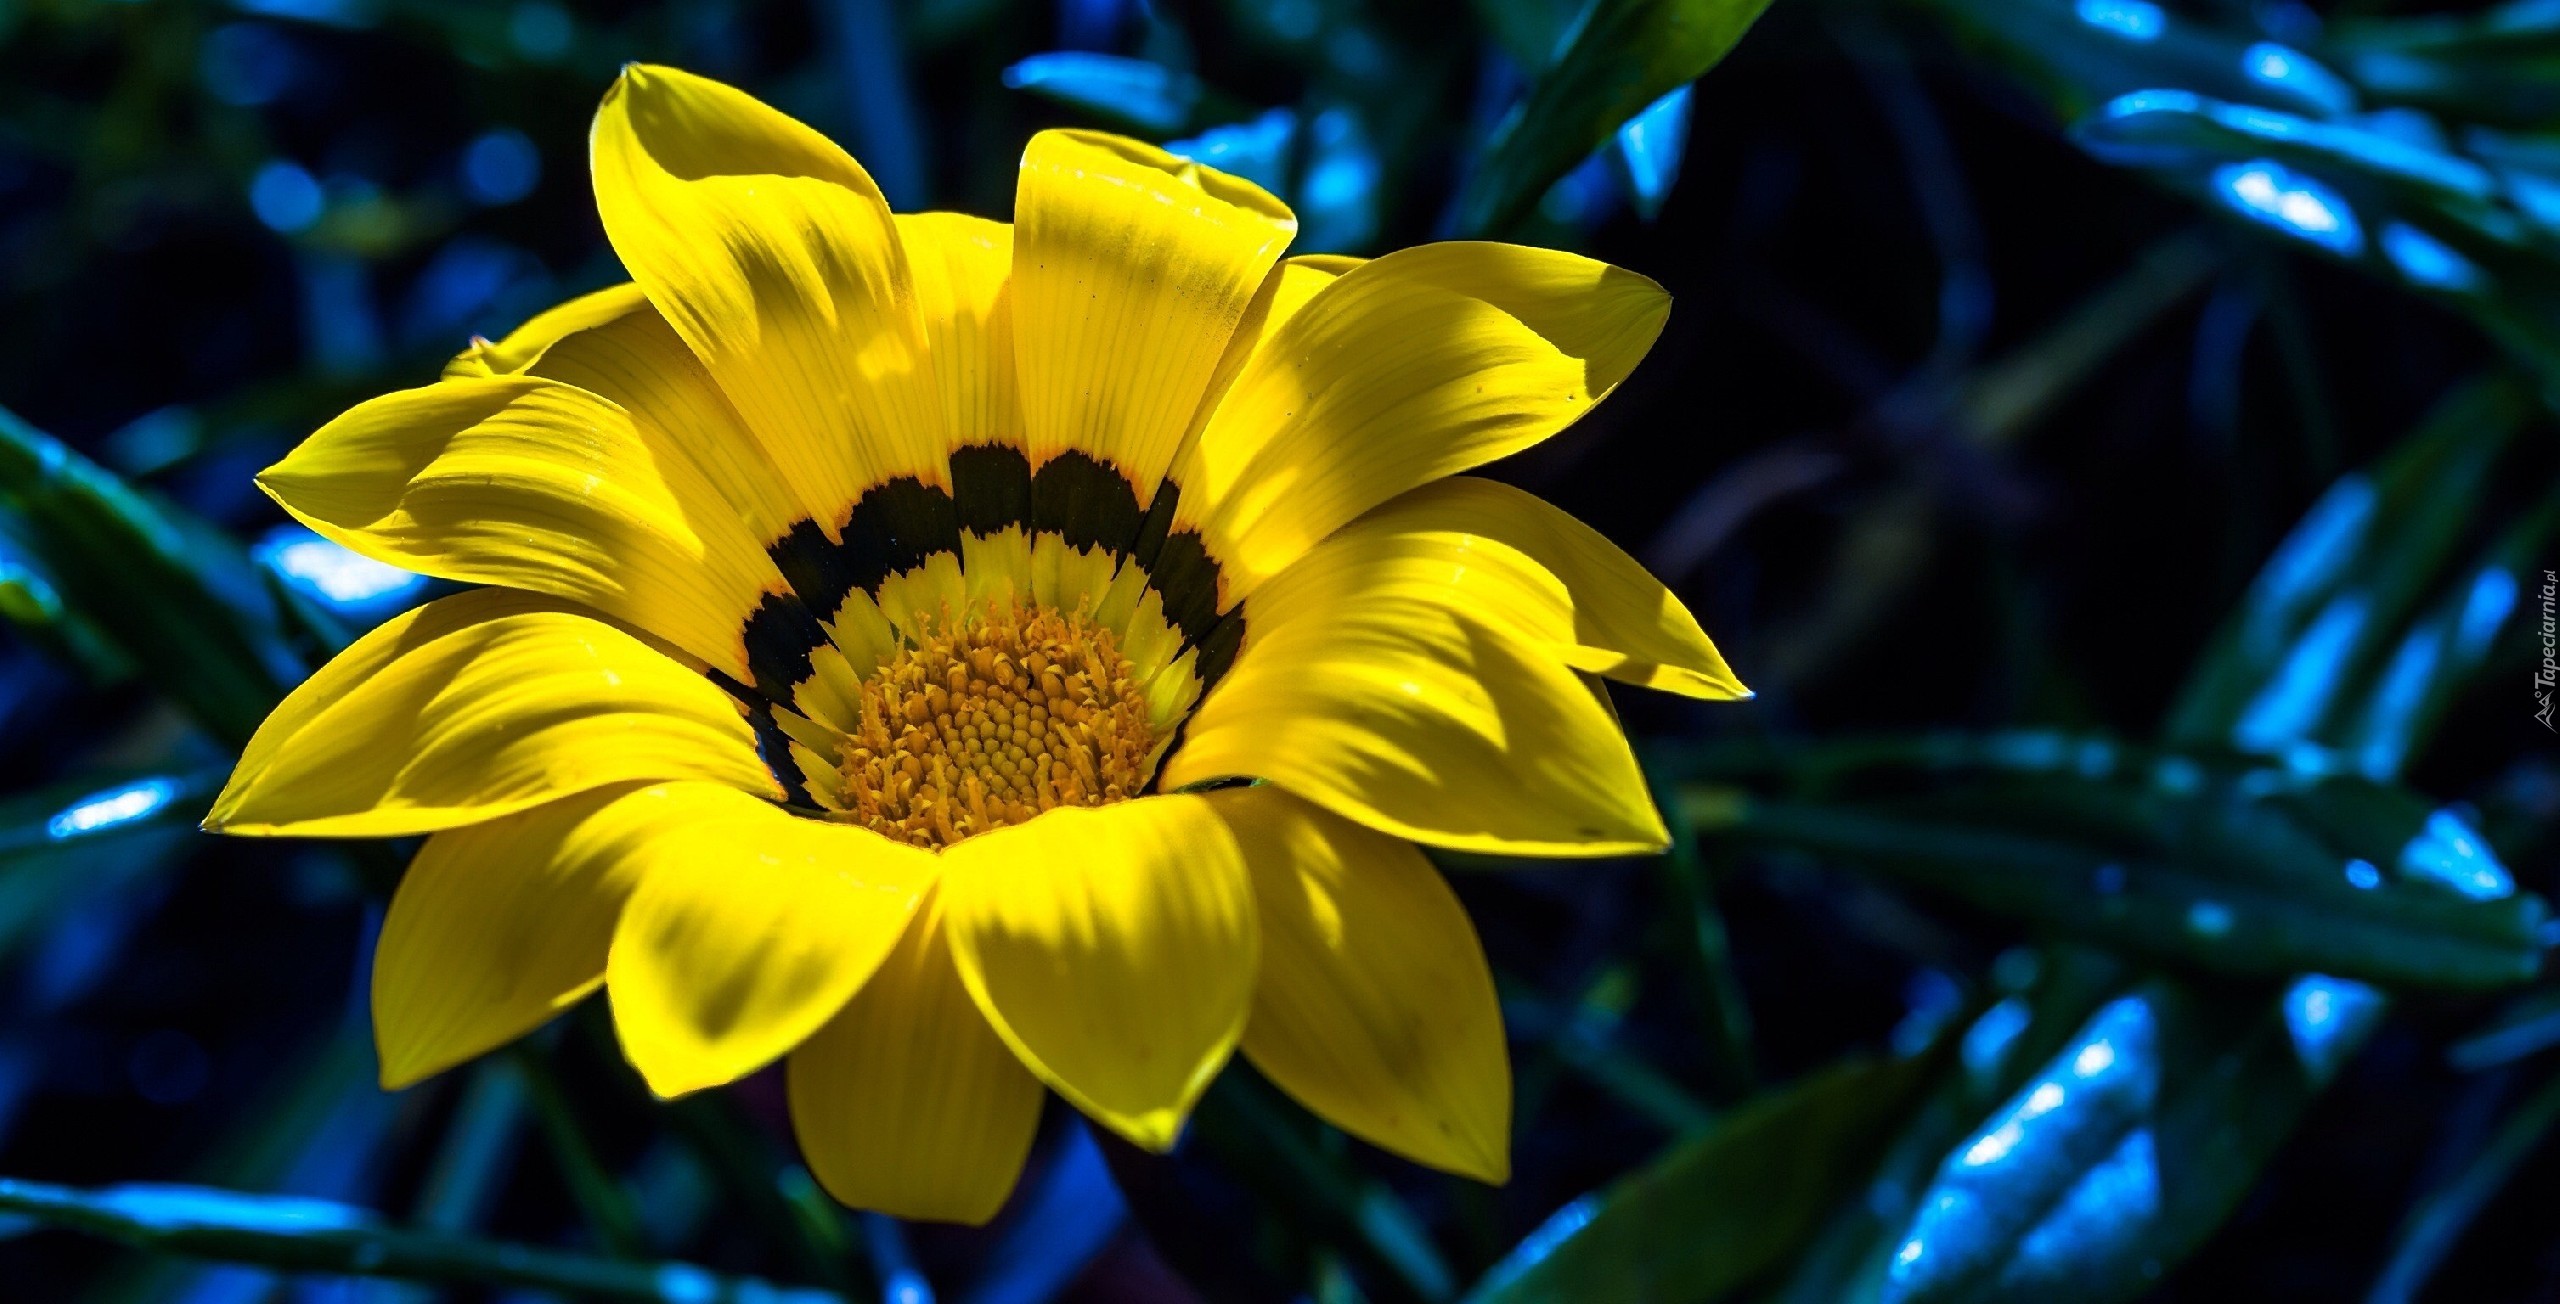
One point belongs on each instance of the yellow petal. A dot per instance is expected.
(1362, 688)
(477, 706)
(773, 255)
(499, 926)
(1133, 269)
(1404, 369)
(1616, 620)
(1375, 1007)
(621, 349)
(961, 265)
(534, 484)
(750, 927)
(906, 1102)
(1113, 949)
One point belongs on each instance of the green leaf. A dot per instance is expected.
(2339, 591)
(2077, 64)
(1722, 1208)
(2128, 1148)
(2438, 1218)
(1621, 56)
(2259, 872)
(1999, 1049)
(67, 840)
(174, 597)
(1278, 1152)
(305, 1235)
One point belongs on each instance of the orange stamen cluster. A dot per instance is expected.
(992, 719)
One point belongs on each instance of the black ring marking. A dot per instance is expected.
(773, 746)
(780, 634)
(992, 485)
(893, 527)
(1085, 501)
(899, 525)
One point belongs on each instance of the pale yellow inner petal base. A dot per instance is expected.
(989, 719)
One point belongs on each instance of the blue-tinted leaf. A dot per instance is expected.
(175, 597)
(1622, 56)
(2060, 988)
(1257, 150)
(1337, 197)
(2127, 1148)
(2169, 126)
(2261, 872)
(2440, 1215)
(1649, 150)
(2328, 605)
(1134, 93)
(1721, 1208)
(307, 1235)
(2527, 1025)
(2082, 53)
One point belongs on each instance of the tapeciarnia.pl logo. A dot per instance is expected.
(2545, 675)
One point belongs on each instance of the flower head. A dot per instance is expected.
(962, 656)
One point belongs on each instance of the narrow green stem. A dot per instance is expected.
(1242, 1122)
(299, 1235)
(1724, 1014)
(607, 1206)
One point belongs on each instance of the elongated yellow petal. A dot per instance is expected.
(1133, 267)
(1404, 369)
(773, 255)
(1290, 287)
(616, 345)
(1375, 1007)
(499, 926)
(535, 484)
(1616, 620)
(750, 927)
(1361, 687)
(906, 1102)
(1113, 949)
(477, 706)
(962, 266)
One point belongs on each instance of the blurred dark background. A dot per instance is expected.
(2115, 441)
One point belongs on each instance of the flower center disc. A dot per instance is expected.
(990, 720)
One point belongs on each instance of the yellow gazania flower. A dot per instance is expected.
(879, 602)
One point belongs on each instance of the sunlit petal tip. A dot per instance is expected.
(749, 929)
(1210, 181)
(1113, 950)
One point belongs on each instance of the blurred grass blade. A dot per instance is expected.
(1722, 1208)
(1274, 1150)
(1132, 93)
(2442, 652)
(1621, 57)
(183, 604)
(2128, 1148)
(2081, 53)
(1705, 952)
(304, 1235)
(2227, 885)
(2167, 125)
(2439, 1217)
(63, 840)
(2340, 588)
(599, 1196)
(2528, 1024)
